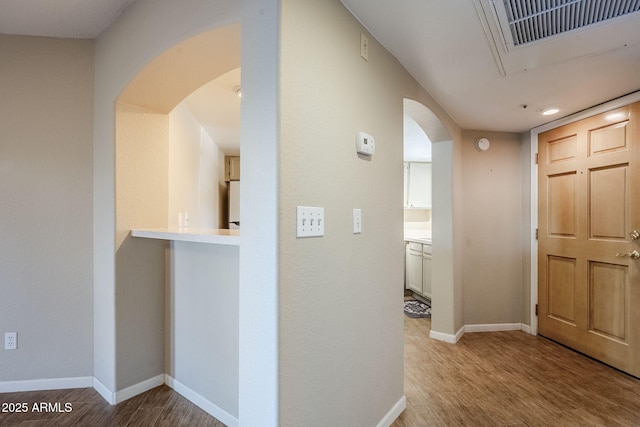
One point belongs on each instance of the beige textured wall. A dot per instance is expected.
(202, 323)
(142, 170)
(493, 242)
(46, 208)
(340, 296)
(196, 171)
(527, 235)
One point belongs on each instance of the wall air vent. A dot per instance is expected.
(526, 21)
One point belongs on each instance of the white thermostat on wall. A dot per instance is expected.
(365, 144)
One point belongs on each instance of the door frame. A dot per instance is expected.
(533, 261)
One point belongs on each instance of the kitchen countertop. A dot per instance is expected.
(232, 237)
(186, 234)
(418, 236)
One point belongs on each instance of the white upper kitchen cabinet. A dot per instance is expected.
(406, 184)
(418, 185)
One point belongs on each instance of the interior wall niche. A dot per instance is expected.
(143, 134)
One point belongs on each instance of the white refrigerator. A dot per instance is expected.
(234, 204)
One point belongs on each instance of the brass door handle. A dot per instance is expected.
(634, 254)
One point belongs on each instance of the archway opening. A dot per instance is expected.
(168, 162)
(437, 218)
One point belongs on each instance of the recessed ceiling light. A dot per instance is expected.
(549, 110)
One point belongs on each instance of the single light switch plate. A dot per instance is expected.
(357, 221)
(310, 221)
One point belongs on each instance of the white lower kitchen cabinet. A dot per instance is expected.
(414, 267)
(418, 268)
(426, 271)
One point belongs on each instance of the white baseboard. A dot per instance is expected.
(104, 391)
(490, 327)
(45, 384)
(136, 389)
(204, 404)
(129, 392)
(493, 327)
(451, 339)
(393, 413)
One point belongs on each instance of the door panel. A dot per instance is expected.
(562, 204)
(608, 138)
(562, 289)
(608, 289)
(589, 202)
(563, 149)
(608, 199)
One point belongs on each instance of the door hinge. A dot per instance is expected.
(536, 309)
(536, 234)
(536, 158)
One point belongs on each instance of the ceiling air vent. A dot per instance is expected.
(526, 21)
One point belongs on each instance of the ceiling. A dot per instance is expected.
(83, 19)
(451, 47)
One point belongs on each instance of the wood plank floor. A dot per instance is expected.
(161, 407)
(510, 379)
(487, 379)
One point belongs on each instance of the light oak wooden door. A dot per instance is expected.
(589, 197)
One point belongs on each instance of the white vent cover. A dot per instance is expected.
(526, 21)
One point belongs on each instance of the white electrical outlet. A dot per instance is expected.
(10, 340)
(309, 221)
(357, 221)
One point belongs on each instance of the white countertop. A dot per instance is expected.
(418, 236)
(186, 234)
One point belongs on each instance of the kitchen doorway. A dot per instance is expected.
(417, 210)
(433, 215)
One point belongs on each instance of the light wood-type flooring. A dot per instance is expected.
(158, 407)
(510, 379)
(487, 379)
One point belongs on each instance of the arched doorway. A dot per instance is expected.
(442, 291)
(149, 112)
